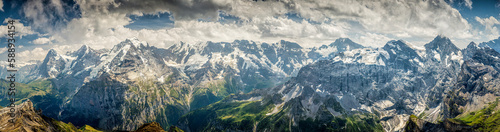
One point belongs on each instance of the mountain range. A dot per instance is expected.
(134, 83)
(252, 86)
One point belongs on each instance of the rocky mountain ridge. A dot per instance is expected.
(252, 86)
(380, 87)
(27, 119)
(134, 83)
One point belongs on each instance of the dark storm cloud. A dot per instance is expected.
(181, 9)
(48, 14)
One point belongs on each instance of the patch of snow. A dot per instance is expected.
(383, 104)
(327, 51)
(276, 109)
(196, 61)
(367, 56)
(136, 42)
(322, 93)
(251, 99)
(161, 79)
(457, 56)
(293, 94)
(172, 63)
(437, 55)
(418, 62)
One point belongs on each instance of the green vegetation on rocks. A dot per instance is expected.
(236, 115)
(486, 119)
(87, 128)
(39, 87)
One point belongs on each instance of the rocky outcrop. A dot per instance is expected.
(26, 119)
(415, 124)
(478, 81)
(150, 127)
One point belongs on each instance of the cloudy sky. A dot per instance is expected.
(65, 25)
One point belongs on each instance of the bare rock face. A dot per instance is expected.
(478, 81)
(418, 125)
(28, 119)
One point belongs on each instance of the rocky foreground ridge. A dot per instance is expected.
(28, 119)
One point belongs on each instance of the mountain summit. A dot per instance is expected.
(494, 44)
(344, 44)
(441, 48)
(339, 45)
(441, 43)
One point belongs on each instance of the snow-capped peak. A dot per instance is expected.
(134, 41)
(396, 45)
(129, 43)
(289, 45)
(84, 47)
(441, 44)
(51, 53)
(441, 48)
(346, 44)
(494, 44)
(82, 51)
(471, 48)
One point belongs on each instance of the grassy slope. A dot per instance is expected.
(39, 87)
(88, 128)
(249, 115)
(175, 98)
(486, 119)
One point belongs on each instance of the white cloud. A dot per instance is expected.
(20, 28)
(1, 5)
(3, 50)
(490, 27)
(34, 54)
(102, 22)
(413, 18)
(468, 3)
(45, 14)
(41, 41)
(96, 30)
(487, 21)
(109, 30)
(373, 39)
